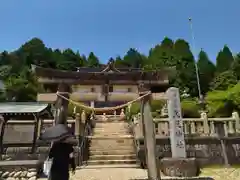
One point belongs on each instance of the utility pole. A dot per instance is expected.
(195, 56)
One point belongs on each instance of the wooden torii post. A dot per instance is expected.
(62, 104)
(149, 137)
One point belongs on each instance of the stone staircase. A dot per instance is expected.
(111, 145)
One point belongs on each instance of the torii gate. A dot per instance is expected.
(175, 119)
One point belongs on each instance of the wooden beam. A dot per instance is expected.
(130, 81)
(80, 96)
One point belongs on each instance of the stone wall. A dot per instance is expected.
(207, 150)
(24, 153)
(19, 170)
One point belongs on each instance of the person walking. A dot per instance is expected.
(61, 154)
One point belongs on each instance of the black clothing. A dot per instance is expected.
(60, 167)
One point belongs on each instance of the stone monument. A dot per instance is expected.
(178, 165)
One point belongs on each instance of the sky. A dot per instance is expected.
(110, 27)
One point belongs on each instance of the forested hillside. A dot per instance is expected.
(218, 81)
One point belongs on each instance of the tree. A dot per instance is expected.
(93, 60)
(34, 52)
(70, 59)
(4, 58)
(133, 58)
(20, 88)
(224, 60)
(162, 55)
(218, 104)
(206, 71)
(236, 66)
(224, 102)
(224, 80)
(185, 77)
(22, 85)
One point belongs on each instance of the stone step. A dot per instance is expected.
(111, 152)
(111, 137)
(111, 129)
(111, 124)
(113, 157)
(110, 166)
(101, 162)
(110, 133)
(123, 132)
(112, 142)
(109, 148)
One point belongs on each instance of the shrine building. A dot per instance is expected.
(104, 86)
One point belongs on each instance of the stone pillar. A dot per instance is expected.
(212, 126)
(122, 114)
(92, 104)
(225, 128)
(62, 104)
(178, 165)
(230, 127)
(83, 117)
(235, 116)
(104, 117)
(149, 140)
(205, 123)
(178, 146)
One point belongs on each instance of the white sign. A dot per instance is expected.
(178, 146)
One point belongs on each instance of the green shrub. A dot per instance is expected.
(135, 108)
(190, 108)
(157, 105)
(223, 103)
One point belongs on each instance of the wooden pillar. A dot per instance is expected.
(3, 122)
(35, 133)
(77, 125)
(62, 104)
(149, 140)
(40, 123)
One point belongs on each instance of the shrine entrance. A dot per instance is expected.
(140, 82)
(175, 121)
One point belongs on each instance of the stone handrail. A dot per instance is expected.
(202, 126)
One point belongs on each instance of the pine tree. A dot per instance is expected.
(206, 71)
(93, 60)
(224, 60)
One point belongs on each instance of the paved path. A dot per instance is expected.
(110, 174)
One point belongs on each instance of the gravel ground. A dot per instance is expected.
(133, 173)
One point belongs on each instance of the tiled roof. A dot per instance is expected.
(22, 107)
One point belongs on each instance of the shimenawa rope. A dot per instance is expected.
(104, 108)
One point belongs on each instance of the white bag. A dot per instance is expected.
(47, 165)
